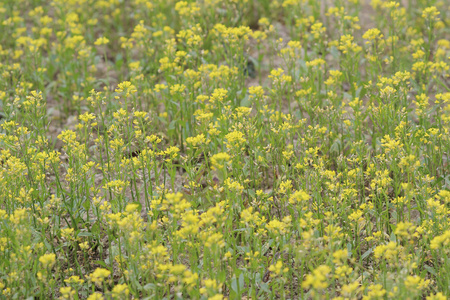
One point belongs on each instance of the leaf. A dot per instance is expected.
(119, 60)
(242, 249)
(438, 180)
(246, 101)
(234, 286)
(366, 254)
(264, 287)
(336, 146)
(149, 286)
(172, 125)
(431, 270)
(393, 237)
(349, 247)
(87, 205)
(85, 233)
(241, 281)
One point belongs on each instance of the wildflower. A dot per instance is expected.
(404, 229)
(233, 185)
(346, 45)
(277, 269)
(430, 13)
(101, 41)
(416, 283)
(67, 233)
(372, 35)
(197, 141)
(375, 291)
(116, 186)
(99, 275)
(95, 296)
(67, 292)
(190, 278)
(120, 290)
(389, 251)
(277, 227)
(340, 256)
(318, 278)
(126, 88)
(316, 62)
(171, 153)
(47, 260)
(349, 289)
(74, 280)
(441, 241)
(343, 272)
(219, 160)
(285, 186)
(437, 296)
(218, 96)
(213, 239)
(317, 30)
(298, 197)
(235, 139)
(256, 92)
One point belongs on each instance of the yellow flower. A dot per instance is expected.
(340, 256)
(389, 251)
(67, 233)
(348, 289)
(235, 139)
(299, 197)
(430, 13)
(120, 290)
(219, 160)
(346, 45)
(197, 141)
(99, 275)
(47, 260)
(416, 283)
(277, 227)
(318, 278)
(278, 270)
(441, 241)
(375, 291)
(95, 296)
(438, 296)
(372, 34)
(74, 280)
(101, 41)
(66, 292)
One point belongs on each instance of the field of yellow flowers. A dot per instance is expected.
(224, 149)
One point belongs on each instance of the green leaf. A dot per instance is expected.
(393, 237)
(172, 125)
(241, 281)
(264, 287)
(349, 247)
(87, 205)
(234, 286)
(366, 254)
(119, 60)
(85, 233)
(431, 270)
